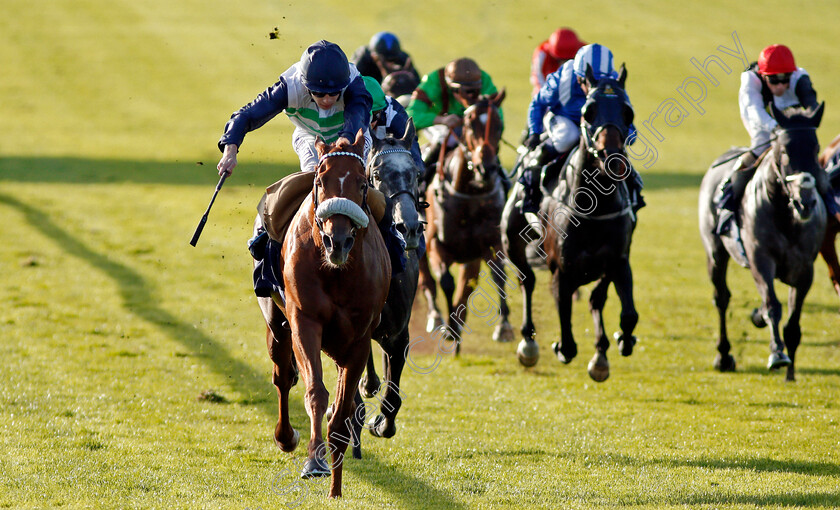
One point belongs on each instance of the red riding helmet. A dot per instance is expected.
(776, 59)
(564, 43)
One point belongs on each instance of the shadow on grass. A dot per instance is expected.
(655, 181)
(104, 171)
(138, 298)
(411, 492)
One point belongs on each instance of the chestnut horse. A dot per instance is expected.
(335, 271)
(832, 227)
(467, 199)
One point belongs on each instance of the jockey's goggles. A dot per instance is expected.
(322, 94)
(464, 90)
(775, 79)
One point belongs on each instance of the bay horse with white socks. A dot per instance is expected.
(336, 270)
(783, 219)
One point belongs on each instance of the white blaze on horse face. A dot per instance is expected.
(341, 181)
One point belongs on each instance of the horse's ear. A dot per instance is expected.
(320, 146)
(410, 133)
(498, 97)
(816, 115)
(590, 76)
(359, 144)
(622, 75)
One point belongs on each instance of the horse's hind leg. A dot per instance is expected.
(369, 383)
(284, 374)
(427, 283)
(457, 300)
(503, 331)
(792, 330)
(599, 367)
(717, 265)
(829, 254)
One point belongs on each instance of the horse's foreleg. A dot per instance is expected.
(284, 375)
(369, 383)
(717, 266)
(503, 331)
(623, 280)
(427, 283)
(340, 429)
(306, 340)
(764, 271)
(515, 238)
(384, 425)
(459, 299)
(792, 330)
(566, 350)
(829, 254)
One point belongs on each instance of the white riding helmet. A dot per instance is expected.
(597, 56)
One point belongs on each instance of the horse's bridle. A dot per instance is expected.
(487, 125)
(315, 185)
(776, 163)
(419, 204)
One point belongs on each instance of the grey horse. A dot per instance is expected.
(783, 220)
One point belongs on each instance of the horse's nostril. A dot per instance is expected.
(348, 243)
(401, 228)
(327, 242)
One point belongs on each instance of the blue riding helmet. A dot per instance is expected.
(597, 56)
(386, 45)
(324, 68)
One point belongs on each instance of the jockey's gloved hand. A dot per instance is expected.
(532, 141)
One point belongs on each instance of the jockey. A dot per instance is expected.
(551, 54)
(556, 111)
(389, 117)
(775, 77)
(382, 56)
(323, 95)
(438, 104)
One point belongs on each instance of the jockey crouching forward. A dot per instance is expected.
(438, 105)
(554, 123)
(323, 95)
(774, 78)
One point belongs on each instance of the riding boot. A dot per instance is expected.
(552, 168)
(394, 241)
(531, 176)
(634, 186)
(731, 191)
(503, 177)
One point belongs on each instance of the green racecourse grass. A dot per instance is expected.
(112, 325)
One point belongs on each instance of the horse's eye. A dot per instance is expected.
(376, 175)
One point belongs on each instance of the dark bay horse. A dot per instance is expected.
(467, 199)
(584, 229)
(782, 220)
(393, 171)
(832, 228)
(336, 271)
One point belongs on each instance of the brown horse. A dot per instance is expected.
(467, 199)
(832, 227)
(335, 273)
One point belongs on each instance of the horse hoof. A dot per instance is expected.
(380, 427)
(777, 360)
(434, 322)
(563, 358)
(757, 319)
(625, 343)
(725, 363)
(528, 352)
(291, 445)
(503, 333)
(315, 468)
(599, 367)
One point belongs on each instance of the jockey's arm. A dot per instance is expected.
(805, 92)
(757, 121)
(357, 105)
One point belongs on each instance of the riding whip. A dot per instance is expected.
(736, 156)
(201, 223)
